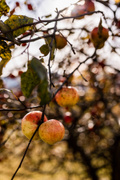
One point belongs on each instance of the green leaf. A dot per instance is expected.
(43, 90)
(51, 44)
(40, 69)
(44, 49)
(36, 75)
(16, 21)
(44, 93)
(4, 8)
(6, 30)
(29, 80)
(5, 54)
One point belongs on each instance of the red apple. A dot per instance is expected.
(98, 36)
(89, 6)
(67, 96)
(78, 10)
(60, 41)
(30, 122)
(51, 131)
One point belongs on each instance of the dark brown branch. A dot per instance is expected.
(58, 19)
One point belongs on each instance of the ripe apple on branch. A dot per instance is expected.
(99, 35)
(51, 131)
(87, 7)
(67, 96)
(30, 123)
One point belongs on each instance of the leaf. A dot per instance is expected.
(44, 93)
(40, 69)
(43, 90)
(4, 8)
(5, 54)
(16, 21)
(29, 80)
(6, 30)
(44, 49)
(51, 44)
(36, 75)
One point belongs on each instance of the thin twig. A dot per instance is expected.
(51, 48)
(42, 118)
(74, 71)
(57, 19)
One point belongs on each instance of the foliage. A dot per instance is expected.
(16, 21)
(29, 80)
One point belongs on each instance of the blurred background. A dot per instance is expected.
(90, 149)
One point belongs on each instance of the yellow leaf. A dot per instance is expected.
(5, 54)
(16, 21)
(4, 8)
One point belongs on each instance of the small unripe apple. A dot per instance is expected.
(30, 122)
(60, 41)
(67, 96)
(78, 10)
(99, 36)
(51, 131)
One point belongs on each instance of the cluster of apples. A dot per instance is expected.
(87, 7)
(50, 131)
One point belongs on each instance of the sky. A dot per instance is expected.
(42, 8)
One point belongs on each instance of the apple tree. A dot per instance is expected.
(60, 87)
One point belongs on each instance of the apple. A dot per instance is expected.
(60, 41)
(51, 131)
(98, 36)
(67, 96)
(89, 6)
(30, 122)
(78, 10)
